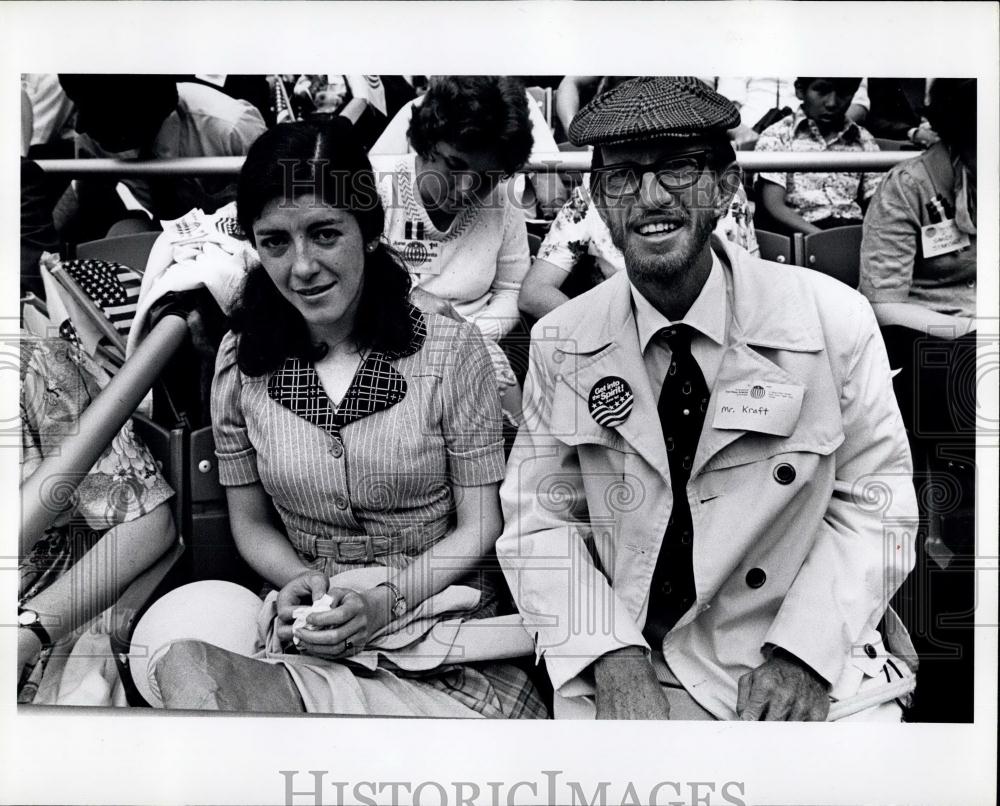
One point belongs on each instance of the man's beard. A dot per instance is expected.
(656, 267)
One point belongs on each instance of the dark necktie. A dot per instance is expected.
(682, 405)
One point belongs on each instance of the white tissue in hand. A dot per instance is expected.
(321, 605)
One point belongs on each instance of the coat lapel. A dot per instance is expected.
(612, 351)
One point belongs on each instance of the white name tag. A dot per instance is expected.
(420, 256)
(942, 238)
(770, 408)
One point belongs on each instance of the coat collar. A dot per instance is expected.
(611, 349)
(756, 297)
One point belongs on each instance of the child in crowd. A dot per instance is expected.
(808, 202)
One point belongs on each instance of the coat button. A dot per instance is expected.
(756, 577)
(870, 651)
(784, 473)
(336, 449)
(667, 588)
(340, 502)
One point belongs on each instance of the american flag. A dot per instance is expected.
(113, 286)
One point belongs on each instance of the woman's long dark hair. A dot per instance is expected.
(326, 159)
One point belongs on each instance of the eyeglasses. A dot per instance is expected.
(677, 172)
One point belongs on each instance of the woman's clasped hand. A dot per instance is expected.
(347, 621)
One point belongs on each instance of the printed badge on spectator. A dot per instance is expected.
(942, 238)
(420, 253)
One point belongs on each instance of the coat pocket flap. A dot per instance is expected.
(753, 447)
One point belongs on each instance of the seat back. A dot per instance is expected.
(129, 250)
(212, 552)
(775, 247)
(836, 252)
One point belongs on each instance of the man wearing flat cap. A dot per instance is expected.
(710, 502)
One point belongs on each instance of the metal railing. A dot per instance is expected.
(558, 161)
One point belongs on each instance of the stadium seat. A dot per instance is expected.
(775, 247)
(129, 250)
(212, 552)
(836, 252)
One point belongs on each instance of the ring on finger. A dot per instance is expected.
(348, 645)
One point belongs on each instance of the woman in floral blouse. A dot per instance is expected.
(116, 525)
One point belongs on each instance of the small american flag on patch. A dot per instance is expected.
(113, 286)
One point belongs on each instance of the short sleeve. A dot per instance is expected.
(569, 237)
(890, 240)
(770, 140)
(471, 417)
(237, 457)
(869, 181)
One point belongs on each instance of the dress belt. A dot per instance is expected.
(355, 549)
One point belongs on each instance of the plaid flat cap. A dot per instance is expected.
(653, 108)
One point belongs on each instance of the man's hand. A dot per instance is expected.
(782, 689)
(924, 137)
(627, 687)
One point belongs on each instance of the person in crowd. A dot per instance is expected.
(51, 116)
(898, 111)
(764, 101)
(371, 428)
(541, 194)
(811, 202)
(117, 524)
(700, 433)
(918, 269)
(150, 117)
(449, 210)
(369, 102)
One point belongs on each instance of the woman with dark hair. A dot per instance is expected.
(451, 214)
(372, 429)
(918, 268)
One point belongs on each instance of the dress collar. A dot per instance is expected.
(377, 385)
(849, 134)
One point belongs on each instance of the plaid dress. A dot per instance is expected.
(371, 481)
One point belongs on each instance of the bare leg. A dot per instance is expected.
(193, 675)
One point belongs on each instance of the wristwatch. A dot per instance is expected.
(398, 608)
(30, 620)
